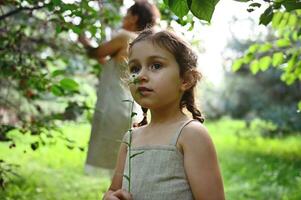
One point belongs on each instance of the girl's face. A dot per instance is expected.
(158, 78)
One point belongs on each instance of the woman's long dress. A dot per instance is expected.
(111, 117)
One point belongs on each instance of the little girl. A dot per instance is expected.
(178, 160)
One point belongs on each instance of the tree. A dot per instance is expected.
(262, 95)
(283, 51)
(43, 72)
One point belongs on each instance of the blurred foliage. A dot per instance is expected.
(283, 51)
(45, 77)
(42, 68)
(201, 9)
(262, 95)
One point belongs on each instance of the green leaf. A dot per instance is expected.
(179, 7)
(289, 6)
(34, 146)
(136, 154)
(133, 114)
(58, 29)
(126, 177)
(248, 58)
(267, 16)
(254, 66)
(56, 2)
(253, 48)
(277, 4)
(291, 63)
(265, 47)
(237, 64)
(127, 144)
(299, 106)
(288, 78)
(203, 9)
(295, 36)
(292, 20)
(283, 43)
(57, 73)
(297, 71)
(76, 29)
(284, 20)
(69, 84)
(255, 5)
(276, 19)
(277, 59)
(265, 62)
(57, 90)
(69, 6)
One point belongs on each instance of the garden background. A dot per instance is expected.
(251, 92)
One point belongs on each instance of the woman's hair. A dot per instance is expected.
(187, 61)
(148, 14)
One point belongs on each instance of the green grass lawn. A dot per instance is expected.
(253, 167)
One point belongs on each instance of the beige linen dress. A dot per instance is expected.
(158, 173)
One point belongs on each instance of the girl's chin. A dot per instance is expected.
(144, 104)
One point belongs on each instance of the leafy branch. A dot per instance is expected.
(16, 11)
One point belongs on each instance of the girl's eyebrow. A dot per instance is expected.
(132, 61)
(149, 58)
(156, 56)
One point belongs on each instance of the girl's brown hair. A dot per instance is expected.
(187, 61)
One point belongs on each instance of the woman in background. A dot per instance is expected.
(111, 116)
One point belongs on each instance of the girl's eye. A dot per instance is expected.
(134, 69)
(156, 66)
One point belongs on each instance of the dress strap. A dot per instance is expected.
(178, 133)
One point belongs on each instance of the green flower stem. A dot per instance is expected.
(130, 146)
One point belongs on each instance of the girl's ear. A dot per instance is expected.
(188, 81)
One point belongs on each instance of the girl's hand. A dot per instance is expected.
(118, 195)
(123, 195)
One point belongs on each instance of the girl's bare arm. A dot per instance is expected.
(118, 174)
(200, 162)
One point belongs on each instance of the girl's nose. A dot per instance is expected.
(142, 76)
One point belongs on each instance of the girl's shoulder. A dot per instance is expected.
(194, 133)
(135, 131)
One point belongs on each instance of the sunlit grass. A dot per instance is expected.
(253, 167)
(52, 172)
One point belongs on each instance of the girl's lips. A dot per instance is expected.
(144, 89)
